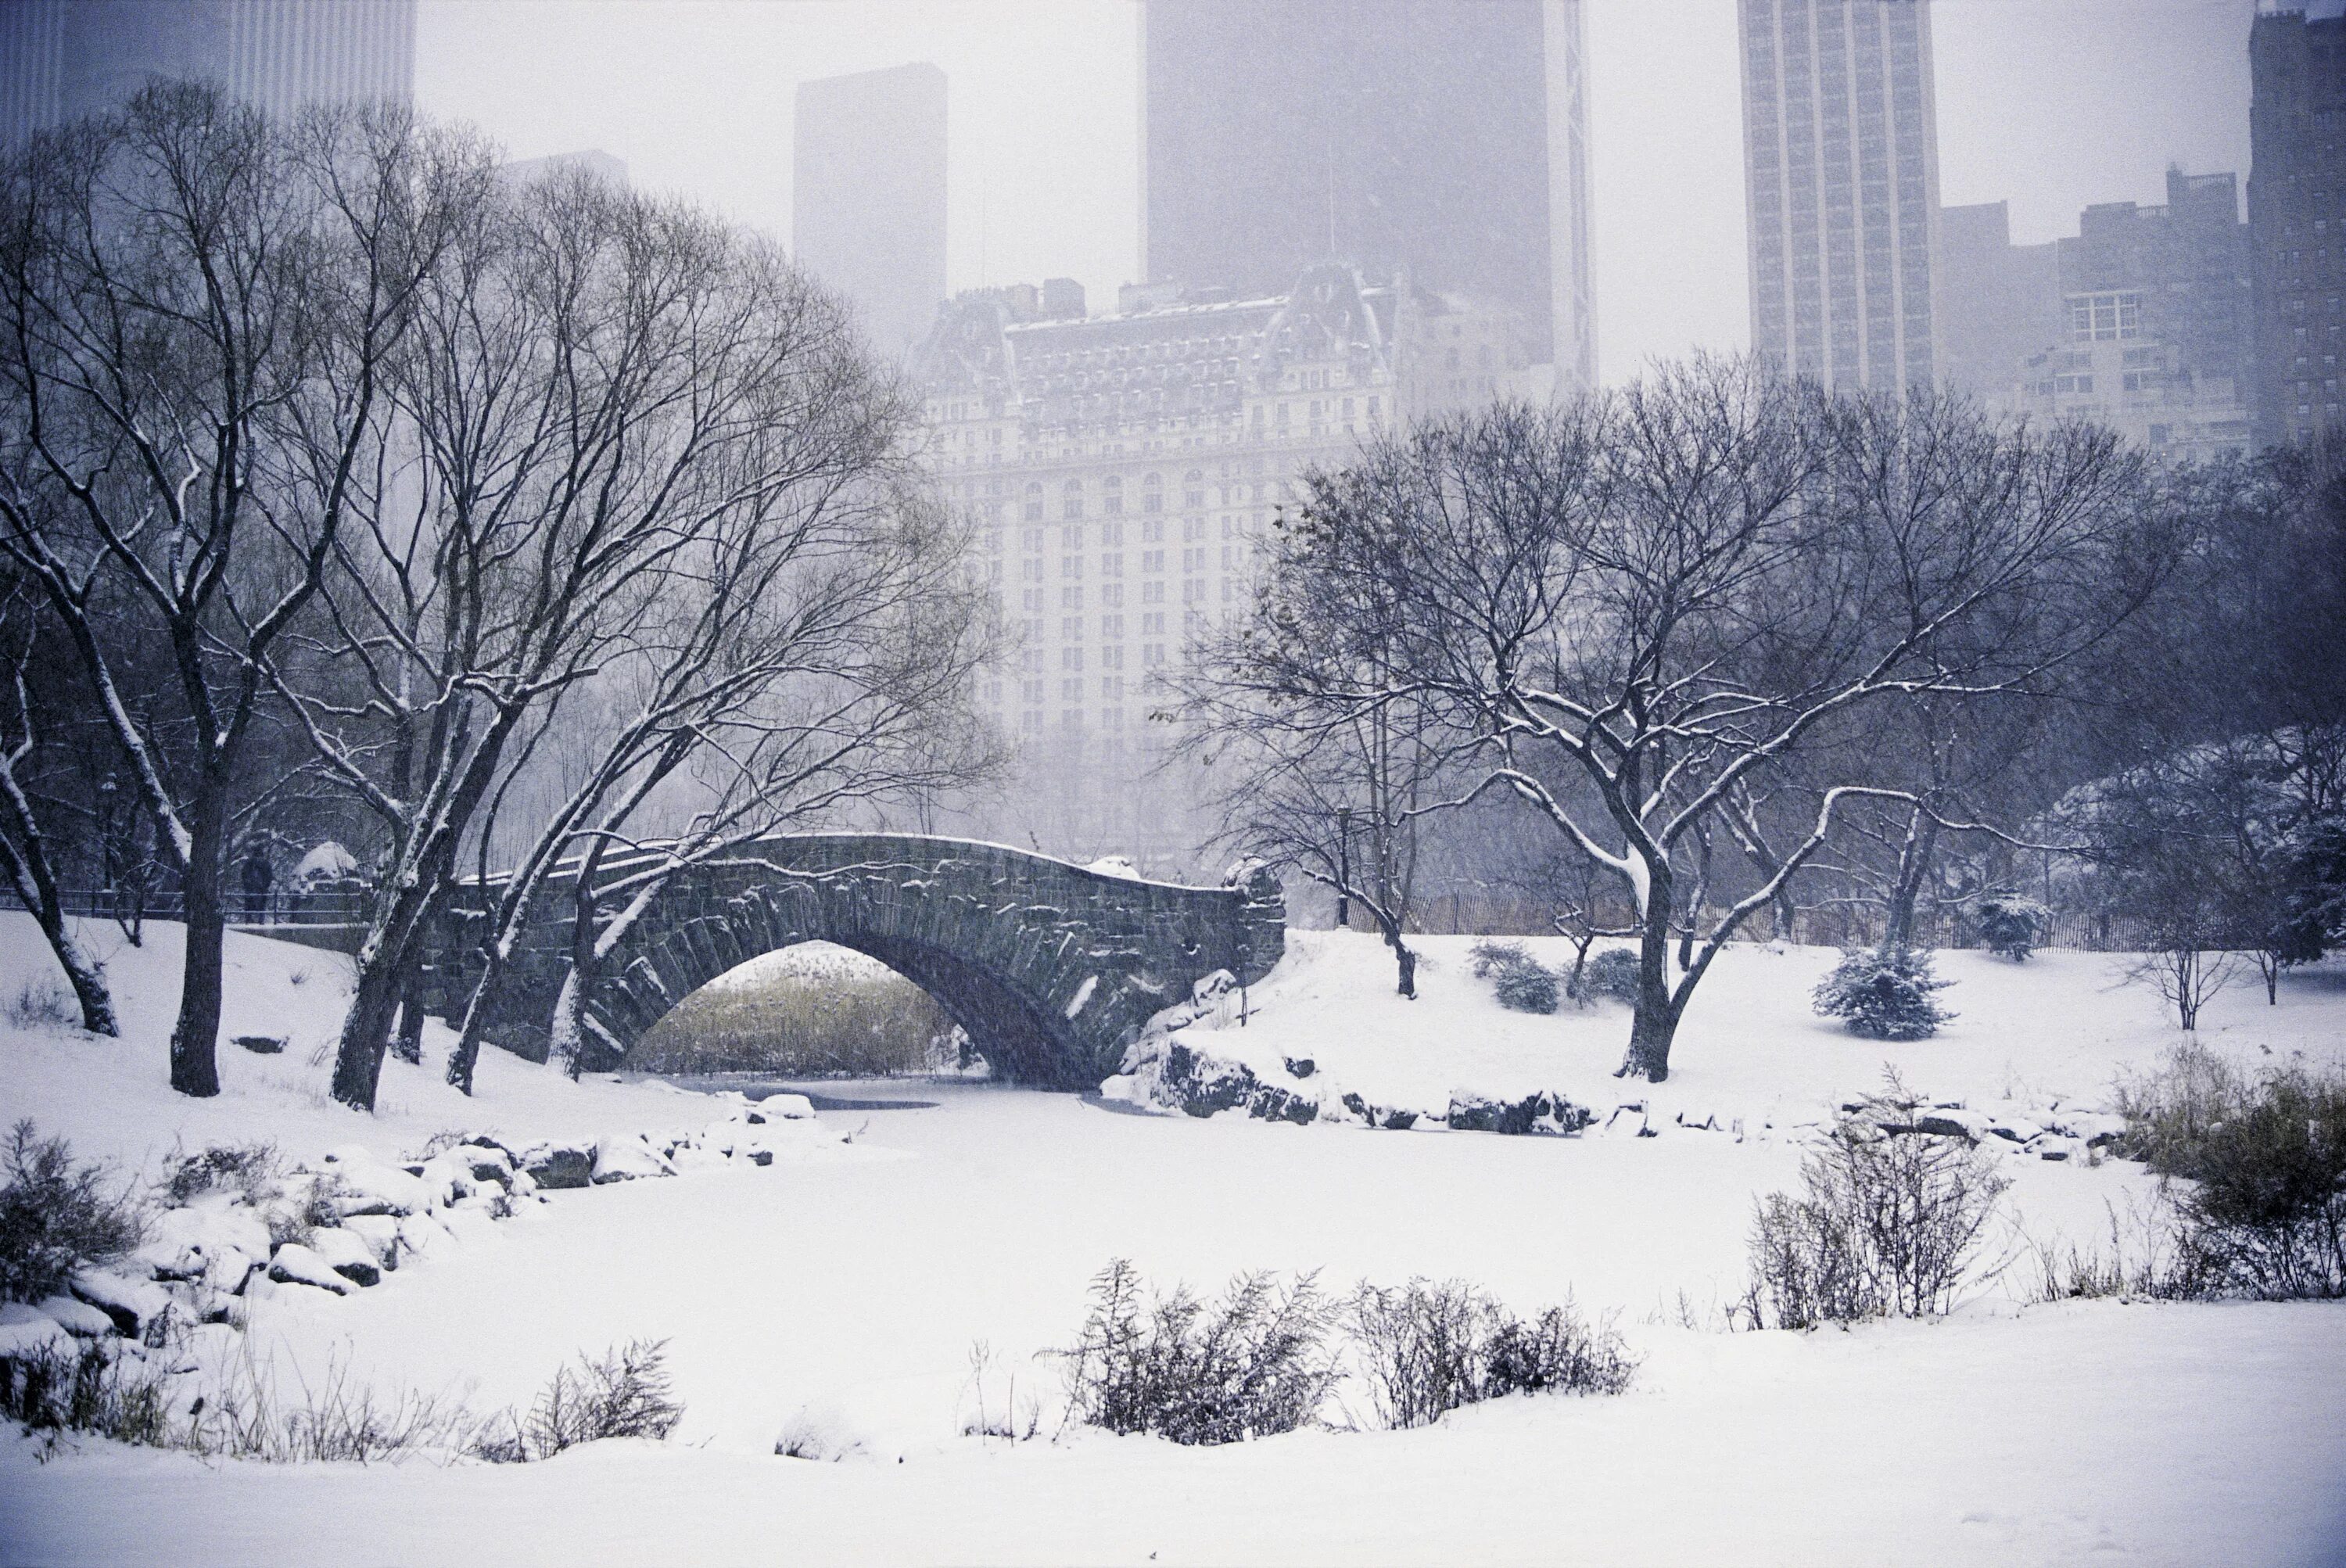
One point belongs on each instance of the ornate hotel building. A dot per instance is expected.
(1120, 472)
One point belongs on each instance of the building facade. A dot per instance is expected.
(2297, 219)
(868, 195)
(1119, 472)
(1446, 139)
(1999, 303)
(67, 59)
(1841, 176)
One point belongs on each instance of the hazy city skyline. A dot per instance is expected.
(2051, 104)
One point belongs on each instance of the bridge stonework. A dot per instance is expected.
(1051, 969)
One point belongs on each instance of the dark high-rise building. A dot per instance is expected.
(2297, 219)
(1841, 169)
(868, 195)
(61, 59)
(1446, 139)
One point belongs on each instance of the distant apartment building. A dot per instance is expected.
(1841, 175)
(62, 59)
(1120, 470)
(1999, 302)
(868, 195)
(2297, 219)
(1442, 139)
(2140, 320)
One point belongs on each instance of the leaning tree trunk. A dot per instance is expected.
(195, 1036)
(1404, 961)
(25, 858)
(407, 1044)
(384, 966)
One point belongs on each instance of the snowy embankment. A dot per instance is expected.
(839, 1300)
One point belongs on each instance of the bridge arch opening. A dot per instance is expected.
(825, 991)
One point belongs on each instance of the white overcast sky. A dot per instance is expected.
(2048, 104)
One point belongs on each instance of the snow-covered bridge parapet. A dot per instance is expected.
(1052, 969)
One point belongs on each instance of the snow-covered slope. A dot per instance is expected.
(841, 1299)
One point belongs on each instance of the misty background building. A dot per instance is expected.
(868, 195)
(2296, 217)
(62, 59)
(1441, 141)
(1841, 173)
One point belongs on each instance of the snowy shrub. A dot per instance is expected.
(627, 1394)
(89, 1386)
(248, 1169)
(1612, 974)
(56, 1218)
(2257, 1173)
(1520, 984)
(1884, 1226)
(42, 1004)
(2012, 926)
(1884, 996)
(1252, 1364)
(1425, 1350)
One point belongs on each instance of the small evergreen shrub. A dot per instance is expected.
(1884, 996)
(2013, 927)
(1611, 974)
(1520, 982)
(56, 1216)
(1254, 1363)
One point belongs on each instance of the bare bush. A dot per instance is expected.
(41, 1005)
(56, 1216)
(88, 1389)
(1426, 1349)
(2256, 1168)
(1255, 1362)
(1884, 1226)
(626, 1394)
(250, 1169)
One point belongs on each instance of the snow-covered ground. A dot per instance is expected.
(841, 1298)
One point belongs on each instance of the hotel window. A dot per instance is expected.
(1033, 503)
(2104, 318)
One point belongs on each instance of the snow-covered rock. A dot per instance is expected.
(380, 1232)
(1534, 1113)
(214, 1241)
(25, 1332)
(628, 1158)
(78, 1318)
(347, 1255)
(135, 1305)
(557, 1165)
(366, 1184)
(295, 1264)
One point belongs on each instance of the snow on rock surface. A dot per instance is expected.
(294, 1264)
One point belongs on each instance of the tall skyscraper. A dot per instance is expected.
(1842, 167)
(61, 59)
(868, 195)
(2297, 219)
(1443, 139)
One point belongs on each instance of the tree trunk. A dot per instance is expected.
(195, 1037)
(384, 969)
(1656, 1023)
(36, 884)
(408, 1044)
(469, 1035)
(1404, 961)
(1914, 869)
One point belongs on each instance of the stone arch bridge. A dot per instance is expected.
(1052, 969)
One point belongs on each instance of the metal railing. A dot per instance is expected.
(276, 907)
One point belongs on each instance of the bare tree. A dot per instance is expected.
(633, 442)
(25, 852)
(1666, 595)
(1333, 791)
(198, 304)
